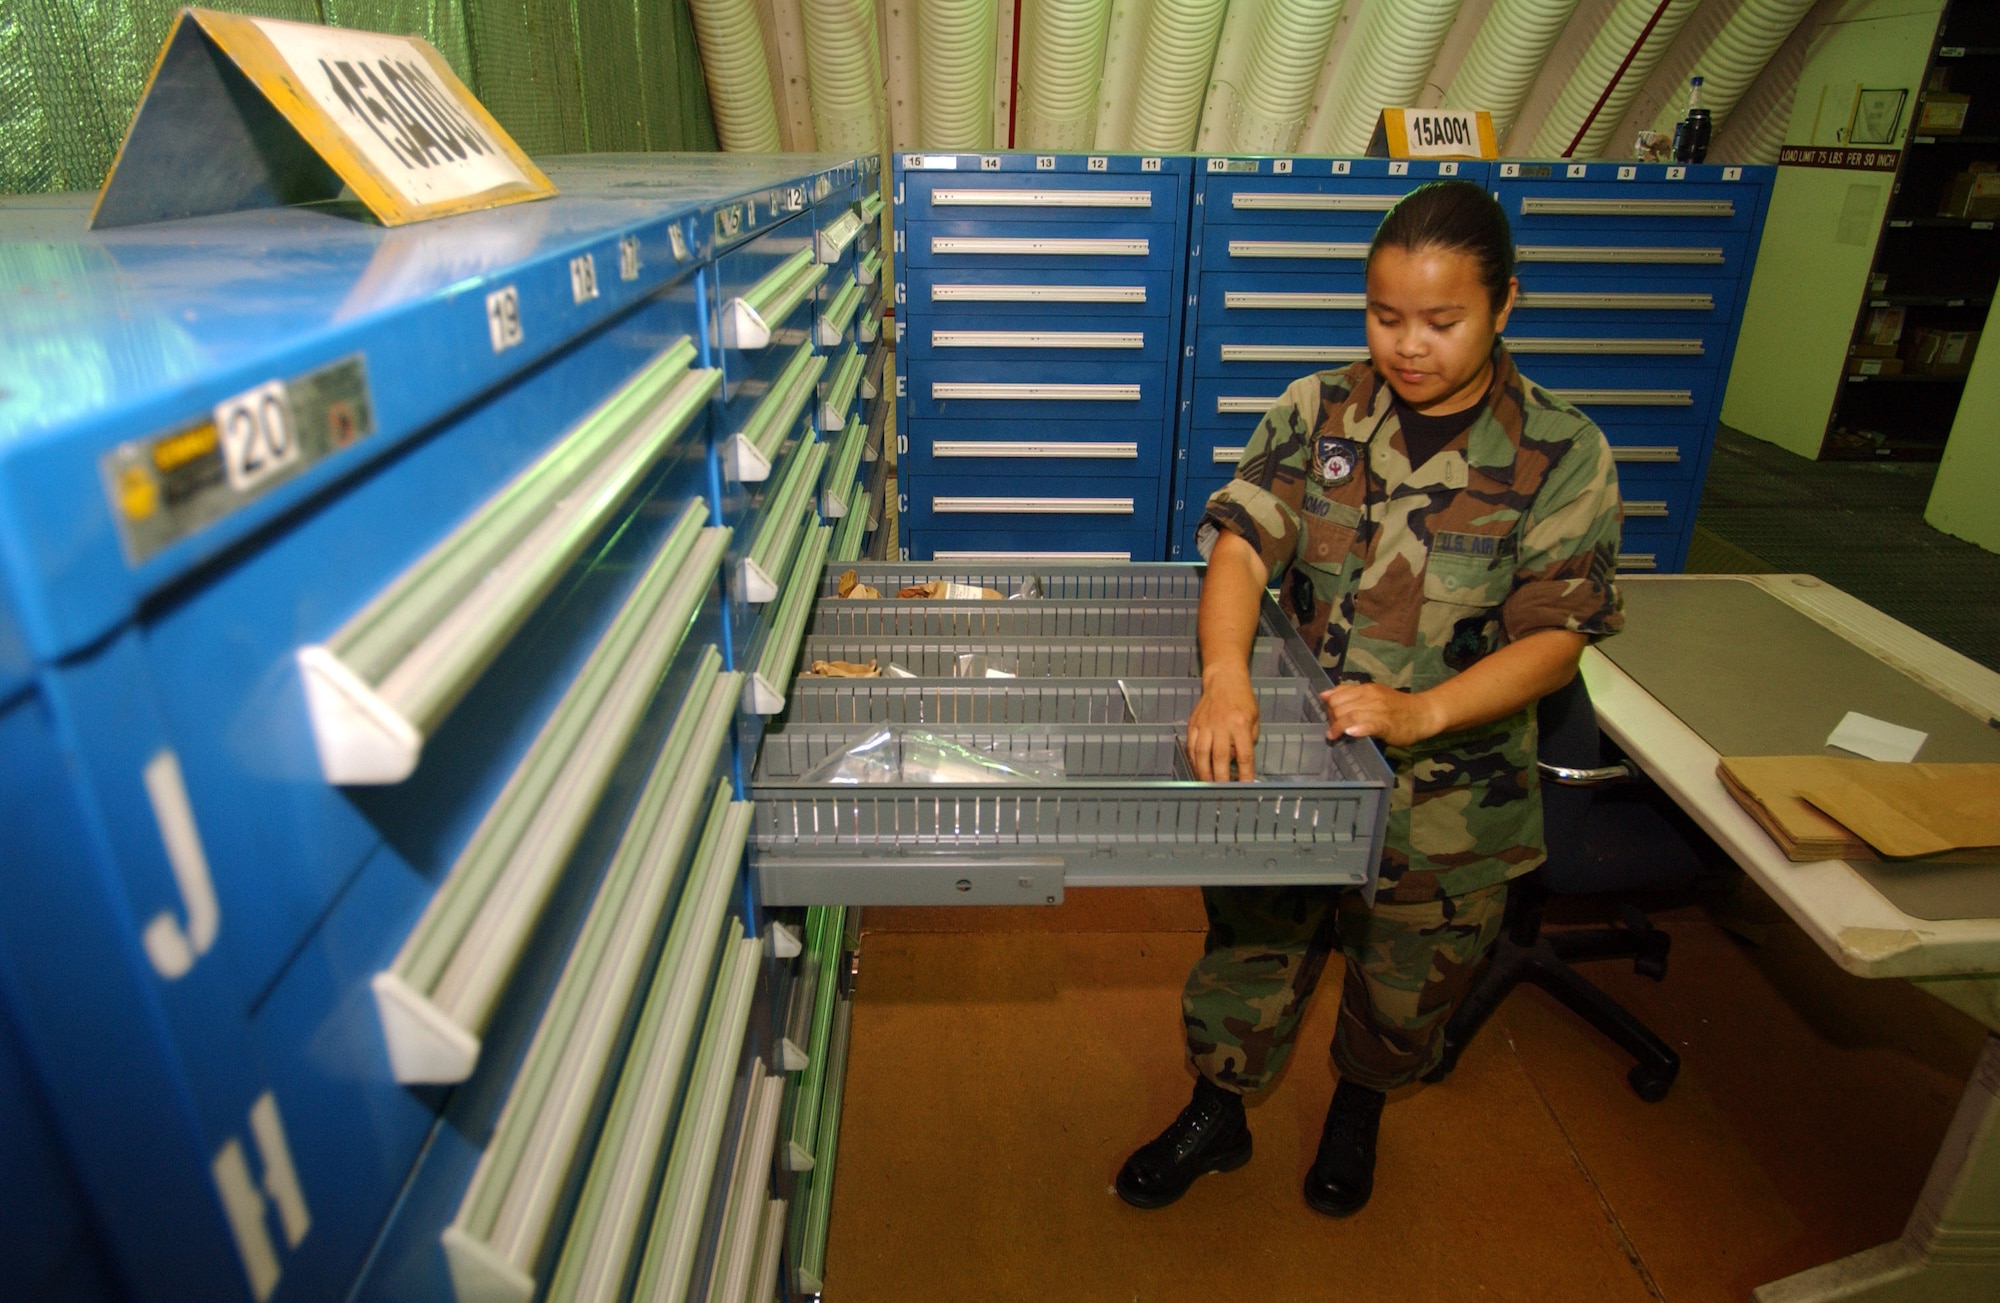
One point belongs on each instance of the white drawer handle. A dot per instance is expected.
(1628, 207)
(943, 391)
(840, 390)
(869, 269)
(1265, 201)
(1626, 397)
(871, 207)
(1041, 199)
(742, 1231)
(868, 324)
(1226, 456)
(507, 1212)
(1086, 339)
(435, 999)
(1032, 506)
(1661, 454)
(781, 646)
(1041, 246)
(1549, 344)
(831, 328)
(843, 470)
(1624, 302)
(831, 243)
(384, 681)
(1646, 510)
(782, 519)
(1294, 352)
(747, 322)
(1244, 405)
(748, 454)
(1081, 450)
(1295, 249)
(1246, 299)
(1671, 253)
(1038, 293)
(1638, 561)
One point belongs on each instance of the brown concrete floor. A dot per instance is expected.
(1004, 1062)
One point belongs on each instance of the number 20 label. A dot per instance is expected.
(257, 437)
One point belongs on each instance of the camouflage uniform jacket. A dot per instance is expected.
(1404, 578)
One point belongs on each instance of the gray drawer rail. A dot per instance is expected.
(1030, 701)
(1125, 581)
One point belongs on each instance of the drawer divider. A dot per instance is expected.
(783, 519)
(843, 469)
(781, 645)
(748, 320)
(748, 454)
(831, 329)
(841, 389)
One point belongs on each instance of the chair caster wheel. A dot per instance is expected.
(1649, 1083)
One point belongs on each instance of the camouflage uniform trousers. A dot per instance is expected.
(1408, 966)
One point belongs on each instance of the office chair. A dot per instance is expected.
(1600, 840)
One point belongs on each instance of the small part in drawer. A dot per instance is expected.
(852, 587)
(844, 670)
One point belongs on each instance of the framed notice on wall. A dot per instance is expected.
(248, 112)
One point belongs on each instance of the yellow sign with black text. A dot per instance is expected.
(1434, 133)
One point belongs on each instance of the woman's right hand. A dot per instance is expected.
(1223, 726)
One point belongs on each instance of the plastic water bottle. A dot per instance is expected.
(1692, 132)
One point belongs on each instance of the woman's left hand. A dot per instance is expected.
(1397, 719)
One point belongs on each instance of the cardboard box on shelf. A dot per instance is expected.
(1942, 113)
(1874, 366)
(1884, 326)
(1973, 193)
(1936, 352)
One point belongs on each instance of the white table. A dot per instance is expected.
(1950, 1251)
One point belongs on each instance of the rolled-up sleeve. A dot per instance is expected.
(1261, 504)
(1565, 576)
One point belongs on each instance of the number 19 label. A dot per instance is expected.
(257, 437)
(503, 318)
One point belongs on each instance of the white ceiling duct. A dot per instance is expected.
(1732, 61)
(1173, 73)
(1385, 66)
(845, 74)
(1267, 107)
(1624, 41)
(1062, 59)
(1506, 57)
(1756, 130)
(739, 80)
(955, 40)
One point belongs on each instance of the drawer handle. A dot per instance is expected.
(871, 377)
(1630, 302)
(1042, 246)
(1041, 199)
(1268, 201)
(1032, 506)
(868, 325)
(747, 322)
(782, 520)
(1646, 510)
(1294, 301)
(840, 390)
(385, 680)
(603, 1235)
(1295, 249)
(850, 532)
(1628, 207)
(843, 470)
(1226, 456)
(816, 1217)
(1650, 454)
(1294, 353)
(436, 997)
(942, 391)
(748, 454)
(1081, 450)
(831, 243)
(1638, 561)
(1605, 347)
(1670, 253)
(825, 941)
(871, 206)
(781, 645)
(1626, 397)
(739, 1238)
(1241, 405)
(869, 269)
(831, 328)
(1009, 557)
(508, 1210)
(1038, 293)
(669, 1256)
(1037, 339)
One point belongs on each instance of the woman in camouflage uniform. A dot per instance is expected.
(1444, 532)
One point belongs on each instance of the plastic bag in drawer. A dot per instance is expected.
(917, 757)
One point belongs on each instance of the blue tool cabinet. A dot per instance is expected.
(370, 652)
(1632, 286)
(1039, 321)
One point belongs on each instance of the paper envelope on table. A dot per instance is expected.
(1767, 787)
(1806, 804)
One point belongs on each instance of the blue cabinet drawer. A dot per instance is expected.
(1274, 353)
(763, 306)
(949, 542)
(1115, 449)
(1543, 347)
(1032, 503)
(1644, 466)
(1100, 246)
(1635, 400)
(1237, 402)
(1071, 198)
(1190, 501)
(1330, 194)
(1215, 449)
(1644, 200)
(1644, 550)
(1274, 299)
(1049, 391)
(1612, 251)
(1042, 294)
(1315, 247)
(1075, 335)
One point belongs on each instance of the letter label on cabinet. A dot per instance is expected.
(245, 1203)
(172, 948)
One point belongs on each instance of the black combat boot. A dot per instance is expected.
(1343, 1175)
(1210, 1135)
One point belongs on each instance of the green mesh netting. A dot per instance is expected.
(562, 76)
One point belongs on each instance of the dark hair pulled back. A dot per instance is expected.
(1456, 215)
